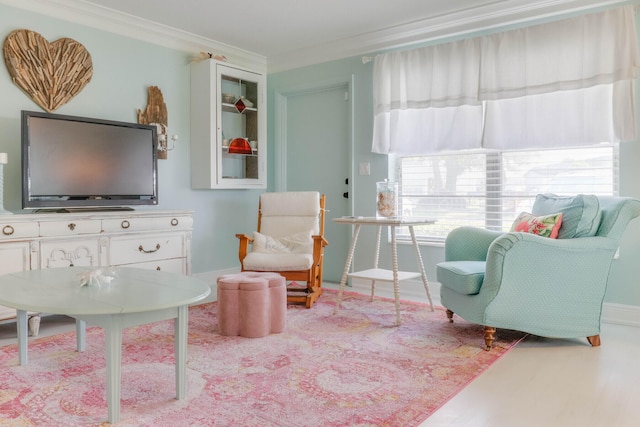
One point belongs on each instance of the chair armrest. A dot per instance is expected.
(243, 246)
(526, 268)
(469, 243)
(520, 247)
(319, 242)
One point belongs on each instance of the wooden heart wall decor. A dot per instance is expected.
(50, 73)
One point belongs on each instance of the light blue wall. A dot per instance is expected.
(363, 188)
(123, 71)
(624, 285)
(125, 68)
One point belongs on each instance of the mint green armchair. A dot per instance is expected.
(525, 282)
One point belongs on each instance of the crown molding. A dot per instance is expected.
(492, 16)
(94, 16)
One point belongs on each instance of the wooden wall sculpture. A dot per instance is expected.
(51, 74)
(156, 114)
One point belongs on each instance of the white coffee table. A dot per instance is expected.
(134, 297)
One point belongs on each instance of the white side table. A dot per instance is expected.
(378, 274)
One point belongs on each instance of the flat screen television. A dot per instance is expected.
(71, 162)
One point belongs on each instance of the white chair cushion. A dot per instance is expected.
(291, 203)
(284, 214)
(280, 226)
(298, 243)
(259, 261)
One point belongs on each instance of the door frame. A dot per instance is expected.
(280, 130)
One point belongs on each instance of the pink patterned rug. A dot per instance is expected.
(352, 369)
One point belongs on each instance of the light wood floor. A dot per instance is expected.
(540, 383)
(548, 382)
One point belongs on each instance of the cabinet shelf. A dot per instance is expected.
(225, 150)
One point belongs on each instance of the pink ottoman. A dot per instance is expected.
(251, 304)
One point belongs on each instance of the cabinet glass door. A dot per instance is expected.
(238, 125)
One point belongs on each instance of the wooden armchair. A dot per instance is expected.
(290, 241)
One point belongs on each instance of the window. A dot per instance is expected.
(488, 188)
(473, 127)
(564, 83)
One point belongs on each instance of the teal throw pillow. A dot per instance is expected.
(580, 214)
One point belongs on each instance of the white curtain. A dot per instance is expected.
(557, 119)
(420, 96)
(567, 83)
(558, 84)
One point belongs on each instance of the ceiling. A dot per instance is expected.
(289, 33)
(275, 27)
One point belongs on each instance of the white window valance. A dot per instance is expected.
(556, 119)
(571, 54)
(420, 95)
(562, 83)
(434, 76)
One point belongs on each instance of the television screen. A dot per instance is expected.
(70, 161)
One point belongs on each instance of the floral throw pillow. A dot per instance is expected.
(545, 226)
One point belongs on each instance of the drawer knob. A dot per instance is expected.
(71, 226)
(174, 221)
(149, 251)
(8, 230)
(125, 224)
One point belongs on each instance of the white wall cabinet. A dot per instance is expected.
(151, 239)
(227, 102)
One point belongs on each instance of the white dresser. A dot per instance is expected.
(151, 239)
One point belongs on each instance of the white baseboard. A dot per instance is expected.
(413, 290)
(620, 314)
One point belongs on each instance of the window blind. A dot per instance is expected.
(489, 188)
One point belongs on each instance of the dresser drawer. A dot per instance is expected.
(175, 265)
(70, 228)
(133, 224)
(69, 253)
(128, 250)
(18, 230)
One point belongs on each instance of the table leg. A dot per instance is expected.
(23, 337)
(375, 261)
(421, 265)
(394, 261)
(113, 337)
(81, 334)
(347, 265)
(180, 342)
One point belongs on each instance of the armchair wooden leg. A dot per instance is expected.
(489, 337)
(450, 315)
(594, 340)
(313, 296)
